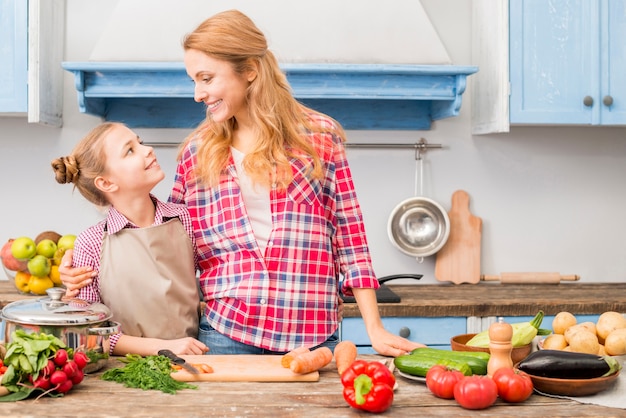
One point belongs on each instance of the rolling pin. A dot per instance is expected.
(532, 278)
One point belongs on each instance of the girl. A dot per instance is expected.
(143, 253)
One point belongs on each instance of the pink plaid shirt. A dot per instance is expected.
(89, 243)
(288, 296)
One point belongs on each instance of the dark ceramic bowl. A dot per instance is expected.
(572, 387)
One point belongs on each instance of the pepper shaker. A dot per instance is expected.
(500, 347)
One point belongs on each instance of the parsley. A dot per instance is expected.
(147, 373)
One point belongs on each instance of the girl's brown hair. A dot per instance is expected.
(281, 121)
(84, 164)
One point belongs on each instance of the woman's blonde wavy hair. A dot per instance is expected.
(281, 121)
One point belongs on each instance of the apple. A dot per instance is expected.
(66, 242)
(47, 248)
(23, 248)
(21, 281)
(8, 261)
(58, 256)
(39, 266)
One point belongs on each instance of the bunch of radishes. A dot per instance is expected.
(62, 372)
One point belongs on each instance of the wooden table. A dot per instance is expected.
(97, 398)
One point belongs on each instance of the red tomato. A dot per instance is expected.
(441, 381)
(513, 385)
(476, 392)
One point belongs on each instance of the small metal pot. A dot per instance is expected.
(419, 227)
(82, 326)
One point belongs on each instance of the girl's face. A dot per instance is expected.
(130, 165)
(218, 86)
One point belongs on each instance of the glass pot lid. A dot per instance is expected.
(52, 310)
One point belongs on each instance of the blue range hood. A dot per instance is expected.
(359, 96)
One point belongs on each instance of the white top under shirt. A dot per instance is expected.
(257, 201)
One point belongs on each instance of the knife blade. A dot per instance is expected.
(178, 360)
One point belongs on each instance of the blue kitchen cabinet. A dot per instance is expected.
(434, 332)
(567, 61)
(13, 56)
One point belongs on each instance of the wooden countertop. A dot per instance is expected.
(97, 398)
(495, 299)
(483, 299)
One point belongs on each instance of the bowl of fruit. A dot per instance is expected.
(32, 264)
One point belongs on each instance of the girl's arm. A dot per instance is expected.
(150, 346)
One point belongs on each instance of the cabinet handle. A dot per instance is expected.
(405, 332)
(607, 100)
(588, 101)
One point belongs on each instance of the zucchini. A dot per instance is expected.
(476, 360)
(419, 365)
(568, 365)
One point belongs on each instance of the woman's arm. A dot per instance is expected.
(383, 341)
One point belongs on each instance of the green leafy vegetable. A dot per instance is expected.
(147, 373)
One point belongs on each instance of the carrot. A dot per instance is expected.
(345, 354)
(311, 361)
(286, 360)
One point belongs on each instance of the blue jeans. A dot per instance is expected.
(221, 344)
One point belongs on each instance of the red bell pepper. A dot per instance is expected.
(368, 386)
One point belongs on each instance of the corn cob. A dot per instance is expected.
(523, 333)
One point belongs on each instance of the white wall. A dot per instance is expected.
(551, 199)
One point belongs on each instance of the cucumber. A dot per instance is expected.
(476, 360)
(418, 365)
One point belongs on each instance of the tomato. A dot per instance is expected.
(441, 381)
(513, 385)
(476, 392)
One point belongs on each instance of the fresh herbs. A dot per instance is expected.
(147, 373)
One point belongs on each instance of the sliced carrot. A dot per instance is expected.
(345, 354)
(311, 361)
(286, 359)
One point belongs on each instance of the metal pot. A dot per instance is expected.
(80, 325)
(418, 226)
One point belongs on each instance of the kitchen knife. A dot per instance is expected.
(177, 360)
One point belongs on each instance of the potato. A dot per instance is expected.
(601, 351)
(608, 322)
(554, 342)
(562, 321)
(583, 326)
(584, 341)
(615, 343)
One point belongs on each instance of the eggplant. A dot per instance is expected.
(568, 365)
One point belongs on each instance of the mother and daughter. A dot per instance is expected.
(263, 206)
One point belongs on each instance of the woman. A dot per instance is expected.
(270, 194)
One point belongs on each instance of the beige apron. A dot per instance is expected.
(148, 280)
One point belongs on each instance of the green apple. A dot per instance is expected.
(39, 266)
(23, 248)
(66, 242)
(47, 248)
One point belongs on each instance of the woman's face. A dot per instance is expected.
(130, 165)
(218, 86)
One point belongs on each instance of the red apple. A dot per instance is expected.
(10, 262)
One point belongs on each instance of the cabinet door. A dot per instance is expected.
(13, 56)
(613, 49)
(434, 332)
(554, 61)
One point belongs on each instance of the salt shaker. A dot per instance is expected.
(500, 347)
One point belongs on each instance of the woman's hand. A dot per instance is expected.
(74, 278)
(388, 344)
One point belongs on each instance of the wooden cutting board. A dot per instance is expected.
(243, 368)
(459, 260)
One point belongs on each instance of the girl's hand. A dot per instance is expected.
(184, 346)
(74, 278)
